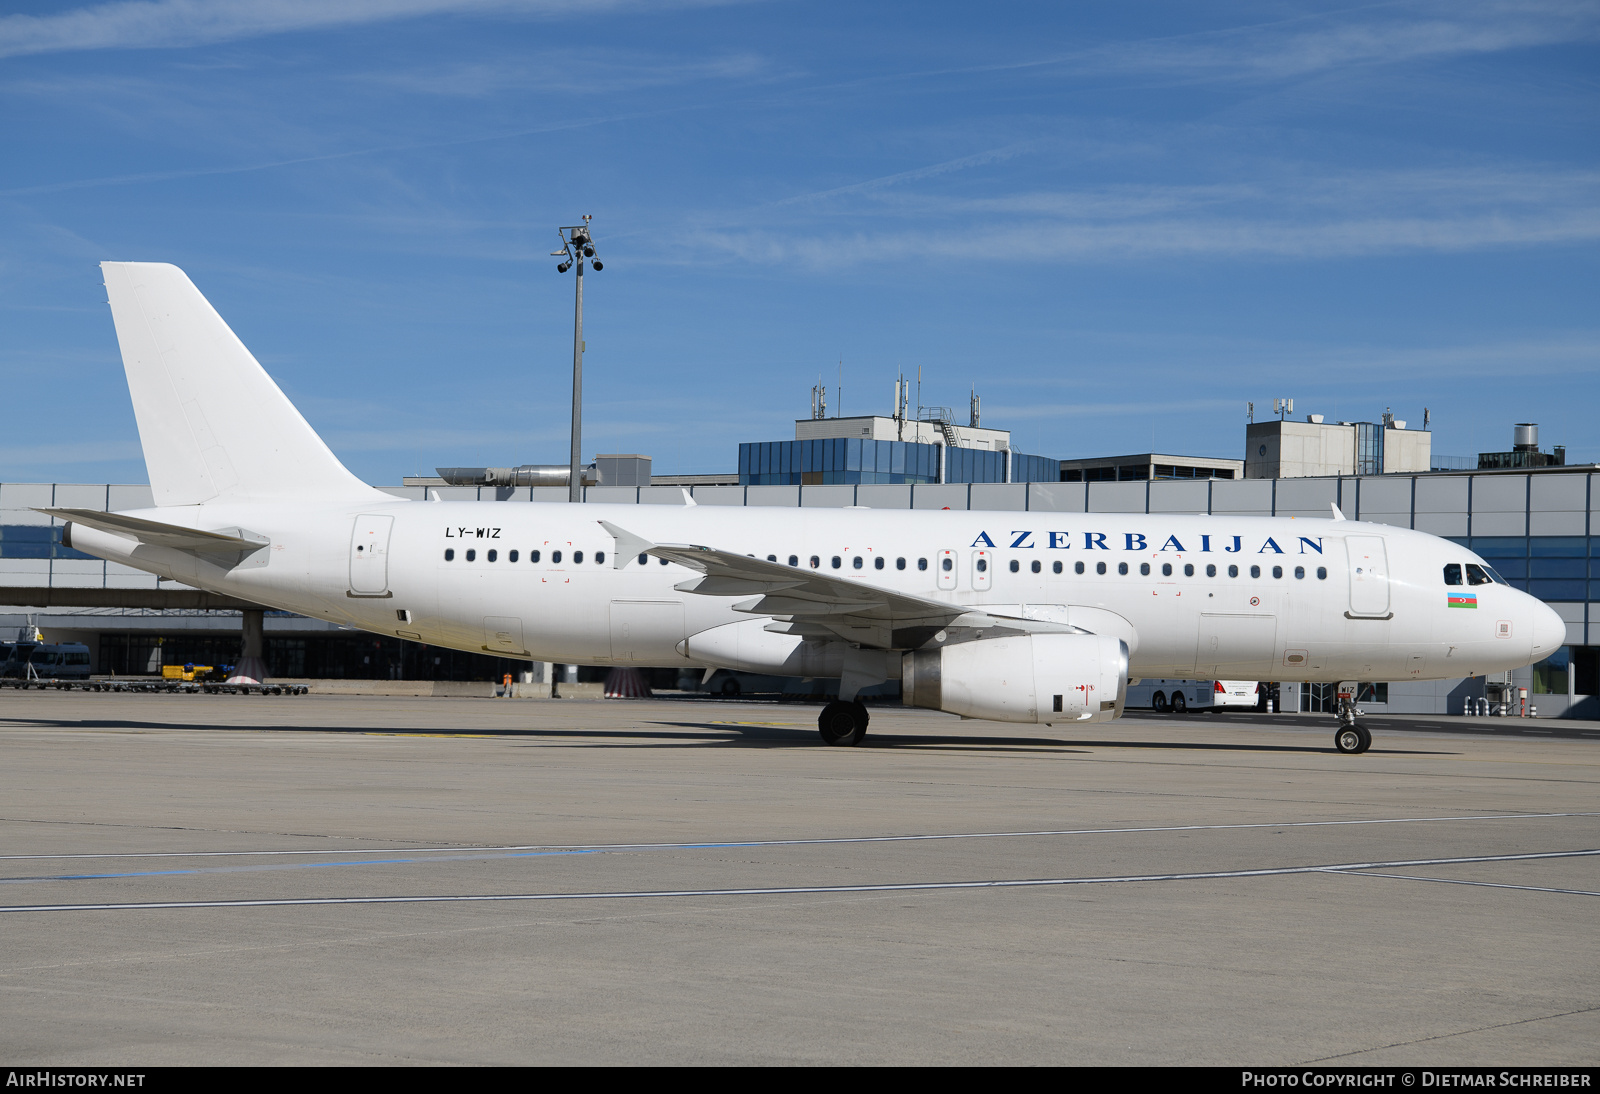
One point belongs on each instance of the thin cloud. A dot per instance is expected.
(597, 74)
(1355, 214)
(169, 24)
(1373, 36)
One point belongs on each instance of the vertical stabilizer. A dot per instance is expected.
(213, 425)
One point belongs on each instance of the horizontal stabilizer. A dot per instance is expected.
(157, 534)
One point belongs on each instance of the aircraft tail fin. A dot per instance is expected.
(213, 424)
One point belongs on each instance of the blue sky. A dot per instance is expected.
(1119, 222)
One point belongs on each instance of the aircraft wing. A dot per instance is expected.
(158, 534)
(821, 605)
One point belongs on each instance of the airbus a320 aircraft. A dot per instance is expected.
(1016, 617)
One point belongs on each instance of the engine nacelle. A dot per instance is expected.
(1029, 678)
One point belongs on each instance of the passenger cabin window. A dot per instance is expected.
(1144, 569)
(1211, 570)
(643, 559)
(1015, 566)
(493, 555)
(1299, 572)
(577, 557)
(1322, 573)
(1100, 567)
(877, 563)
(471, 554)
(511, 556)
(770, 558)
(922, 564)
(599, 558)
(1055, 567)
(837, 562)
(983, 565)
(794, 560)
(947, 565)
(1277, 571)
(1476, 575)
(899, 564)
(1166, 569)
(1255, 571)
(449, 554)
(1452, 573)
(1188, 569)
(1036, 566)
(533, 556)
(1122, 568)
(856, 562)
(555, 558)
(1233, 571)
(815, 562)
(1077, 568)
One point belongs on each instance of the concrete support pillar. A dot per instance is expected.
(252, 666)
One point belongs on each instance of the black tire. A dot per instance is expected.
(842, 723)
(1180, 705)
(1352, 740)
(730, 687)
(1366, 739)
(1158, 702)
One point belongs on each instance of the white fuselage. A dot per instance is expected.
(1354, 600)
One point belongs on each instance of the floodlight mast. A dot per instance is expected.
(576, 245)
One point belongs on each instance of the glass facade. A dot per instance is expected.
(858, 460)
(1369, 448)
(1034, 468)
(36, 541)
(1549, 567)
(836, 461)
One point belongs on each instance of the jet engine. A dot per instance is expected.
(1027, 678)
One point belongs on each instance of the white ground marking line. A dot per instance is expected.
(1484, 884)
(789, 890)
(723, 844)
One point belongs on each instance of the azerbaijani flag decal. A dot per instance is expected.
(1461, 600)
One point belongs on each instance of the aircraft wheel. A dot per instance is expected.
(1352, 739)
(843, 723)
(730, 687)
(1159, 702)
(1180, 705)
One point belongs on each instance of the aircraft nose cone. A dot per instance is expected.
(1549, 631)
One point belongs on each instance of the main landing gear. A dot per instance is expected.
(1350, 737)
(843, 723)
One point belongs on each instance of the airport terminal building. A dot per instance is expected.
(1536, 526)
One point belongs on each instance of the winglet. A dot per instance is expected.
(629, 545)
(1336, 514)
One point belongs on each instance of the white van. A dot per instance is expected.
(1181, 695)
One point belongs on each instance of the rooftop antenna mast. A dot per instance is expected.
(576, 245)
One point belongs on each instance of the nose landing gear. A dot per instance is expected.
(1350, 738)
(843, 723)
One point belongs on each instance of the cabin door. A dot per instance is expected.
(369, 555)
(1369, 577)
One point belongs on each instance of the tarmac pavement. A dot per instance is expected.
(348, 880)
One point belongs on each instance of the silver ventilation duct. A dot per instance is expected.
(528, 474)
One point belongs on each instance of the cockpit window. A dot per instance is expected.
(1478, 575)
(1452, 574)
